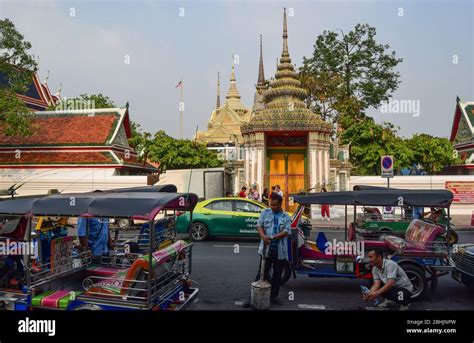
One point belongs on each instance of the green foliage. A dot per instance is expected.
(173, 153)
(349, 68)
(369, 141)
(17, 66)
(349, 73)
(433, 153)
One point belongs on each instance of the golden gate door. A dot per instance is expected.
(288, 171)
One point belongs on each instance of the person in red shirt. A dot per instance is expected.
(243, 192)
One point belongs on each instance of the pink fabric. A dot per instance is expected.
(164, 254)
(52, 300)
(419, 237)
(421, 232)
(103, 271)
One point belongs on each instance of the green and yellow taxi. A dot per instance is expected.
(232, 217)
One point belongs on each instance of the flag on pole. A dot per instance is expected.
(179, 85)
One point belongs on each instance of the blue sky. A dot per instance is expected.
(86, 52)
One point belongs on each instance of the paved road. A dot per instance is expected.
(224, 275)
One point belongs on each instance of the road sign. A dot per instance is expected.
(386, 163)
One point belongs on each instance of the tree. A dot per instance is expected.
(368, 141)
(17, 67)
(433, 153)
(350, 67)
(174, 153)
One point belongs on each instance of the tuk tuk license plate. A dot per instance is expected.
(345, 265)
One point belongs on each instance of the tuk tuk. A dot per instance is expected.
(373, 222)
(148, 270)
(421, 254)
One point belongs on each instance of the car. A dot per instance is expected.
(232, 217)
(463, 258)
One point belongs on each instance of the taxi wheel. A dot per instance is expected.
(199, 232)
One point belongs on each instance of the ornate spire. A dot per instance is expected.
(233, 93)
(218, 101)
(233, 96)
(285, 108)
(261, 74)
(285, 35)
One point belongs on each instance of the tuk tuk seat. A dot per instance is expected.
(122, 282)
(419, 238)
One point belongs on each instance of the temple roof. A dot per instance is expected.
(81, 138)
(73, 158)
(284, 100)
(462, 131)
(225, 121)
(72, 128)
(37, 97)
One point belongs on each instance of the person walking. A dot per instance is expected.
(325, 214)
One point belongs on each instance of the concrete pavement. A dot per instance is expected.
(223, 270)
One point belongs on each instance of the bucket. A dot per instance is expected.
(260, 291)
(260, 295)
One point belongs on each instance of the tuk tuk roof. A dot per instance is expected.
(139, 204)
(379, 197)
(168, 188)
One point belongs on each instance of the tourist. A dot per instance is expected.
(250, 193)
(243, 192)
(228, 195)
(255, 194)
(325, 214)
(265, 197)
(274, 192)
(273, 226)
(279, 191)
(390, 283)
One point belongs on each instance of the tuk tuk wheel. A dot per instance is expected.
(418, 279)
(199, 232)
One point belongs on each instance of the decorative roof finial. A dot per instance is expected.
(218, 102)
(232, 76)
(457, 99)
(285, 34)
(233, 92)
(261, 74)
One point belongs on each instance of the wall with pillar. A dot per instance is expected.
(318, 159)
